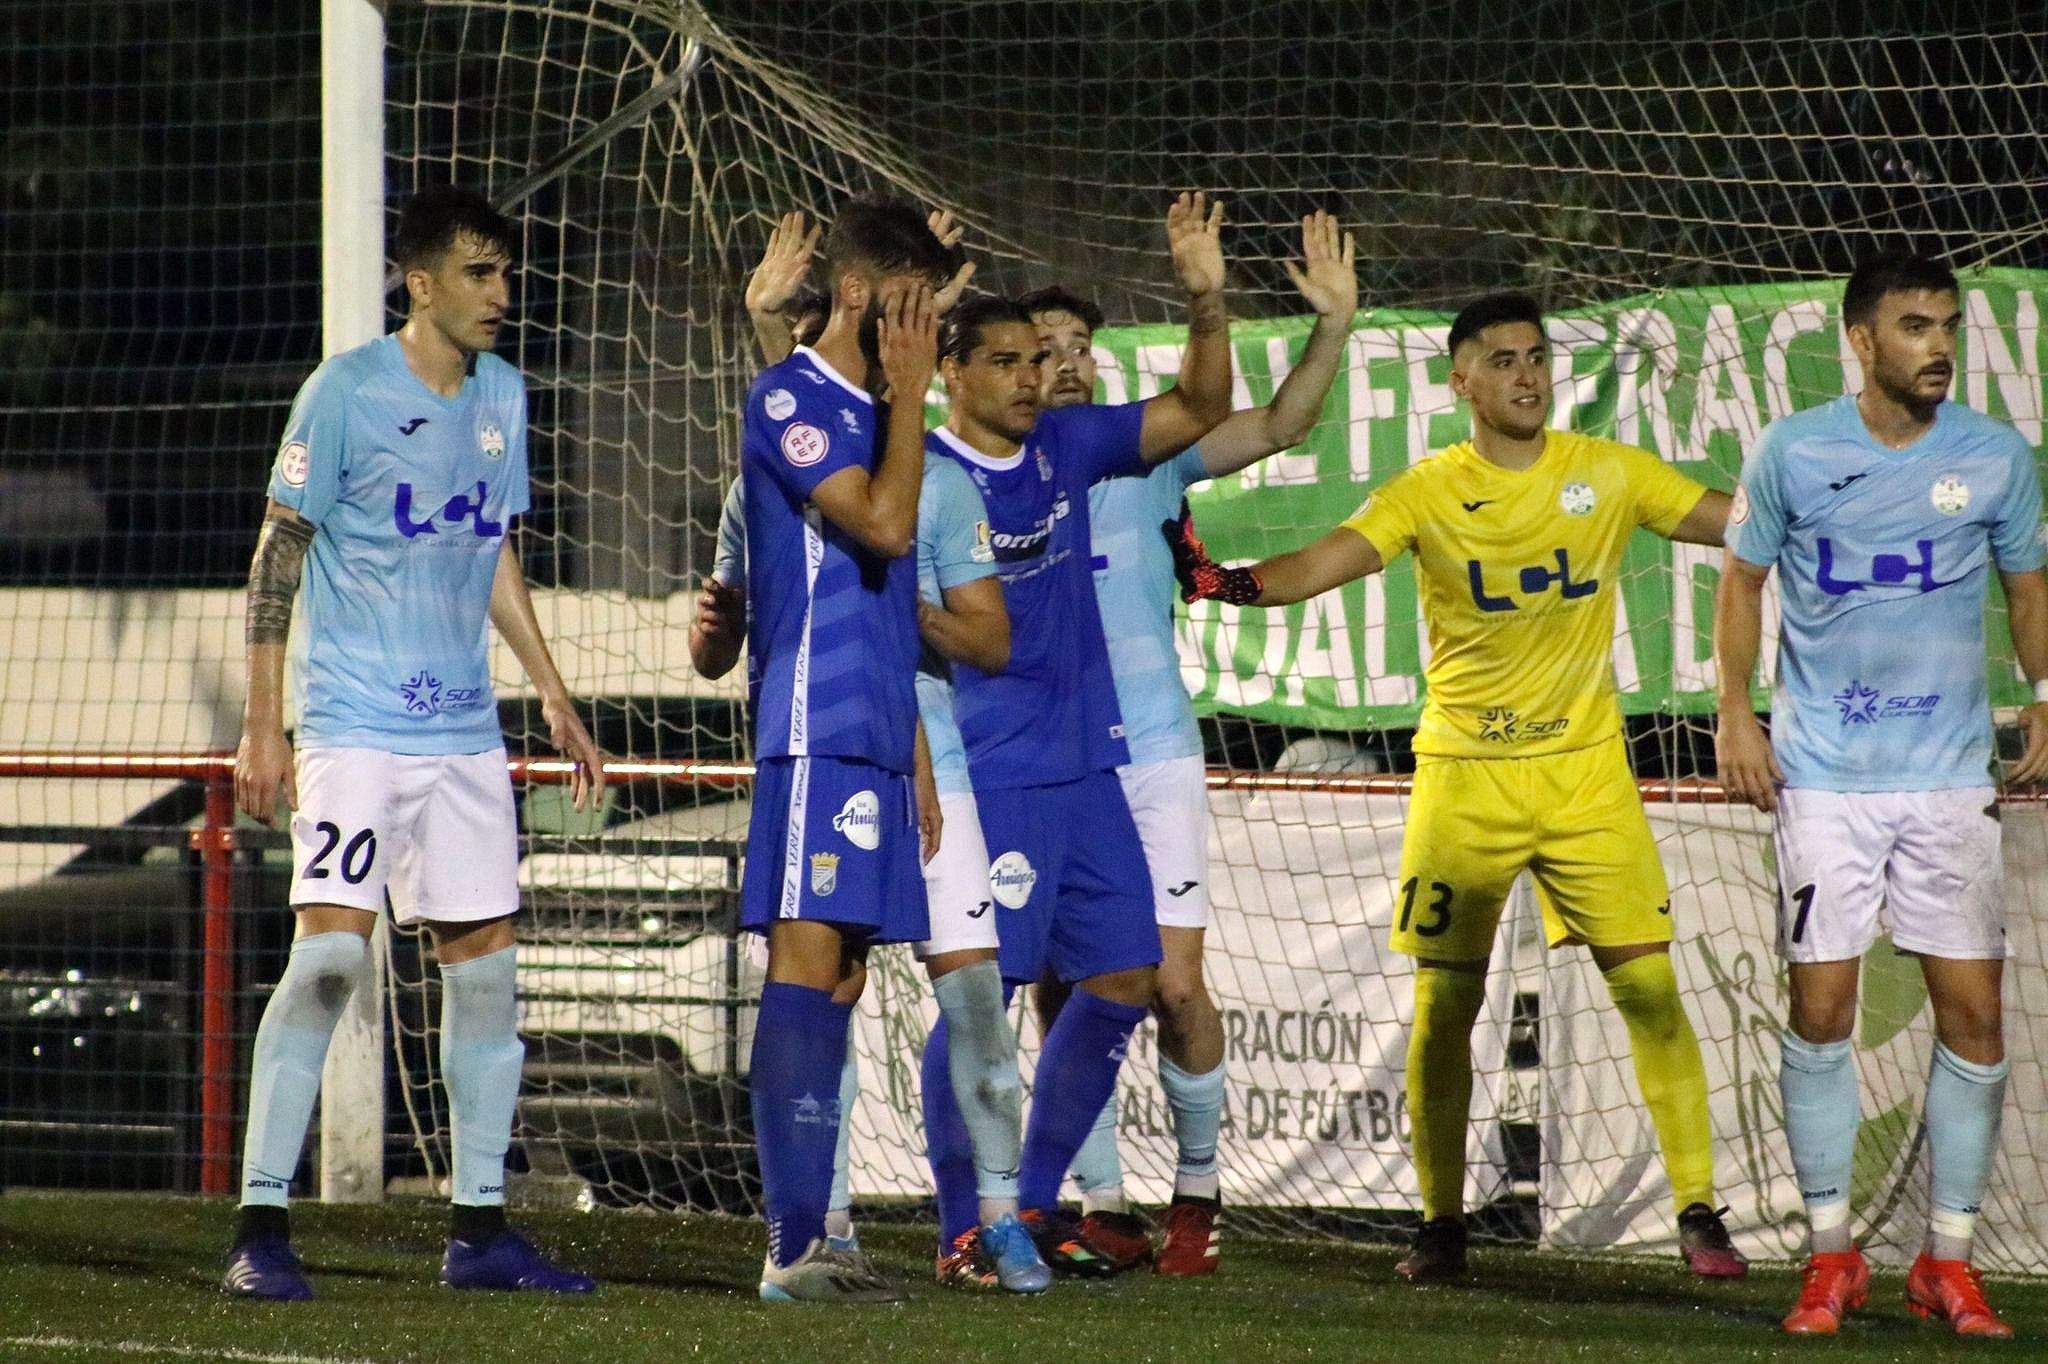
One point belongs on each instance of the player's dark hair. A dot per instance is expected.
(1490, 311)
(1056, 298)
(1892, 273)
(961, 329)
(887, 236)
(431, 221)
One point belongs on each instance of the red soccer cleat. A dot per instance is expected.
(1192, 1241)
(1953, 1291)
(1120, 1238)
(966, 1265)
(1834, 1285)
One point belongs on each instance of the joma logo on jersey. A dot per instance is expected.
(456, 510)
(1534, 581)
(1886, 570)
(1010, 548)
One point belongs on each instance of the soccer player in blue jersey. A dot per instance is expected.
(402, 467)
(1166, 780)
(1884, 513)
(1070, 889)
(831, 496)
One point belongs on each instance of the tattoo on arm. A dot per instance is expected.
(1207, 315)
(274, 578)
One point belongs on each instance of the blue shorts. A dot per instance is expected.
(834, 840)
(1069, 879)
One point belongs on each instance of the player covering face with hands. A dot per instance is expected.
(1518, 535)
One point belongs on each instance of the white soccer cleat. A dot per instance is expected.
(823, 1274)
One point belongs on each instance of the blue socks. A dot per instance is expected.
(947, 1144)
(1817, 1081)
(1098, 1167)
(481, 1057)
(291, 1047)
(1964, 1103)
(839, 1214)
(799, 1058)
(1197, 1105)
(1076, 1075)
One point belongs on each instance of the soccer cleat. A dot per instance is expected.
(1438, 1255)
(1953, 1291)
(1833, 1285)
(967, 1265)
(1018, 1265)
(848, 1244)
(508, 1263)
(266, 1270)
(1703, 1241)
(1058, 1235)
(1121, 1238)
(1193, 1241)
(822, 1274)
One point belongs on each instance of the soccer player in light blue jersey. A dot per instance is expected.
(832, 482)
(402, 467)
(1166, 780)
(1884, 514)
(1043, 738)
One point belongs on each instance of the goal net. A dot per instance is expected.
(1682, 185)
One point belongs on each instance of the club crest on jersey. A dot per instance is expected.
(779, 404)
(1738, 510)
(1011, 879)
(824, 873)
(804, 445)
(1950, 495)
(294, 463)
(860, 819)
(984, 551)
(1576, 499)
(491, 440)
(1044, 466)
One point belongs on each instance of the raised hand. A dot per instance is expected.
(1202, 578)
(1327, 277)
(909, 342)
(949, 232)
(784, 265)
(1194, 234)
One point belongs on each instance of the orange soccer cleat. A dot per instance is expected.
(1953, 1291)
(1835, 1284)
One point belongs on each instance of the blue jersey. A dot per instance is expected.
(952, 549)
(831, 628)
(1135, 588)
(1051, 715)
(1882, 559)
(412, 493)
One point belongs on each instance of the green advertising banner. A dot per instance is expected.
(1692, 375)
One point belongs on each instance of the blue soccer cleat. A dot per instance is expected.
(509, 1263)
(266, 1270)
(1019, 1267)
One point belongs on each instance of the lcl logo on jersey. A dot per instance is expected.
(1534, 580)
(456, 510)
(1886, 570)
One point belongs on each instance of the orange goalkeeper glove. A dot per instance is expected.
(1200, 576)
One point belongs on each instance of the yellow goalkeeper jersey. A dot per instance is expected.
(1517, 579)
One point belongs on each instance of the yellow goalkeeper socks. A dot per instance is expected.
(1668, 1068)
(1440, 1082)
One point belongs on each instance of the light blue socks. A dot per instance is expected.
(1817, 1081)
(291, 1047)
(981, 1057)
(481, 1058)
(1964, 1103)
(1196, 1102)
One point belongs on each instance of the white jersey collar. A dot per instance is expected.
(819, 363)
(974, 456)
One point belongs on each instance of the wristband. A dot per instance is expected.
(2041, 691)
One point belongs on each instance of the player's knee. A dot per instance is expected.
(1972, 1028)
(1821, 1021)
(1181, 998)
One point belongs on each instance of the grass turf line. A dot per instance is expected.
(130, 1277)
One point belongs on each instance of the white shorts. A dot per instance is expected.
(436, 830)
(1922, 865)
(956, 882)
(1169, 800)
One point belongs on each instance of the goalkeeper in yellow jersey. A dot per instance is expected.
(1520, 763)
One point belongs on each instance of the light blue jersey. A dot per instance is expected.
(412, 493)
(1135, 587)
(953, 548)
(1882, 558)
(729, 560)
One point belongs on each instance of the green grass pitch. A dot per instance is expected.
(127, 1278)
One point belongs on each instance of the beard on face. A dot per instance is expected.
(1901, 385)
(871, 331)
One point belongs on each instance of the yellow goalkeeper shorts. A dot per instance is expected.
(1574, 820)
